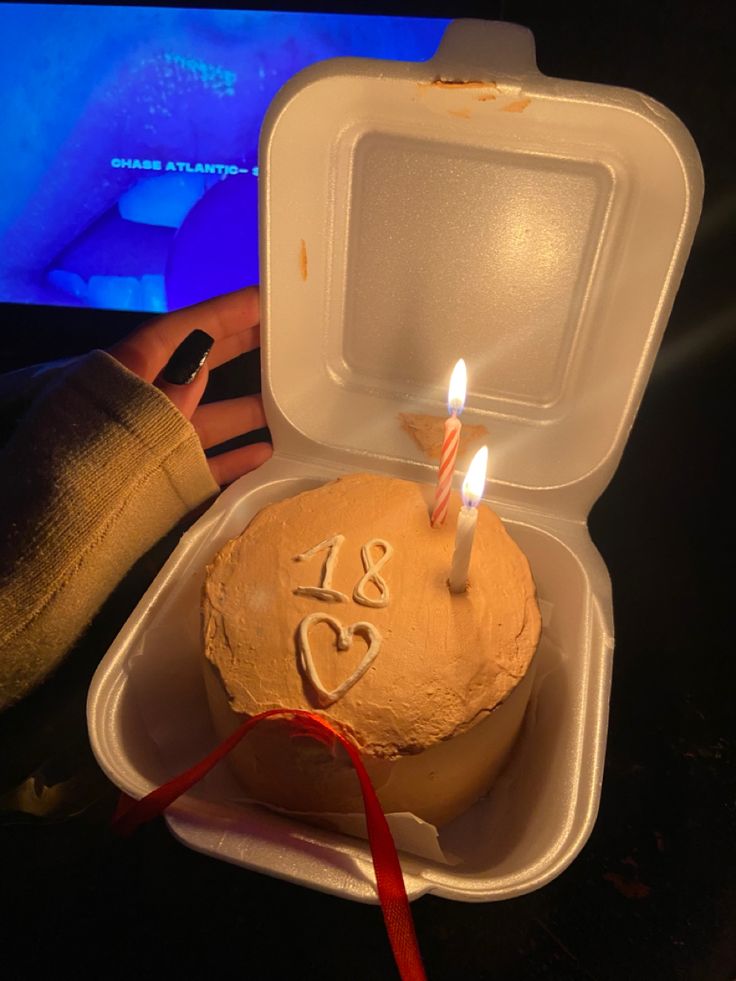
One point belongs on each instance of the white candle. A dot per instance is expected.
(473, 487)
(455, 403)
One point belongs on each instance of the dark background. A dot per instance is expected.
(653, 894)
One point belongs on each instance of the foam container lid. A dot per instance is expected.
(471, 207)
(412, 214)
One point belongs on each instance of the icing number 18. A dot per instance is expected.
(372, 569)
(371, 574)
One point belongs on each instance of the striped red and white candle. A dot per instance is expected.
(451, 442)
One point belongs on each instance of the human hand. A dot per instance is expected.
(232, 321)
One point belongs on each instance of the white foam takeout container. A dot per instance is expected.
(413, 214)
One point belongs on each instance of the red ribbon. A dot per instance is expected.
(131, 814)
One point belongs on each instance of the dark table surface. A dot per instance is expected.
(653, 893)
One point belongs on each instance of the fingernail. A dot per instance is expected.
(185, 363)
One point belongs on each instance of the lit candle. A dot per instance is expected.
(455, 403)
(473, 486)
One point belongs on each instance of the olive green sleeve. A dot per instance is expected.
(96, 471)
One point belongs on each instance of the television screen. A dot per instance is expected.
(130, 168)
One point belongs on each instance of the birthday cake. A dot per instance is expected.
(336, 601)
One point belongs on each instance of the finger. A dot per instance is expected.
(227, 467)
(146, 350)
(220, 421)
(186, 397)
(230, 347)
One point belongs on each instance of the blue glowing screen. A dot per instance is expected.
(129, 171)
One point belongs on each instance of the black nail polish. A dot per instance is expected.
(184, 364)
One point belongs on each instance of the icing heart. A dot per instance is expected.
(344, 640)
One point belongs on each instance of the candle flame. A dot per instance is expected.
(458, 387)
(475, 479)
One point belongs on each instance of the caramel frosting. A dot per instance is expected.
(428, 432)
(342, 591)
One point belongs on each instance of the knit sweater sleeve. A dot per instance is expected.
(99, 467)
